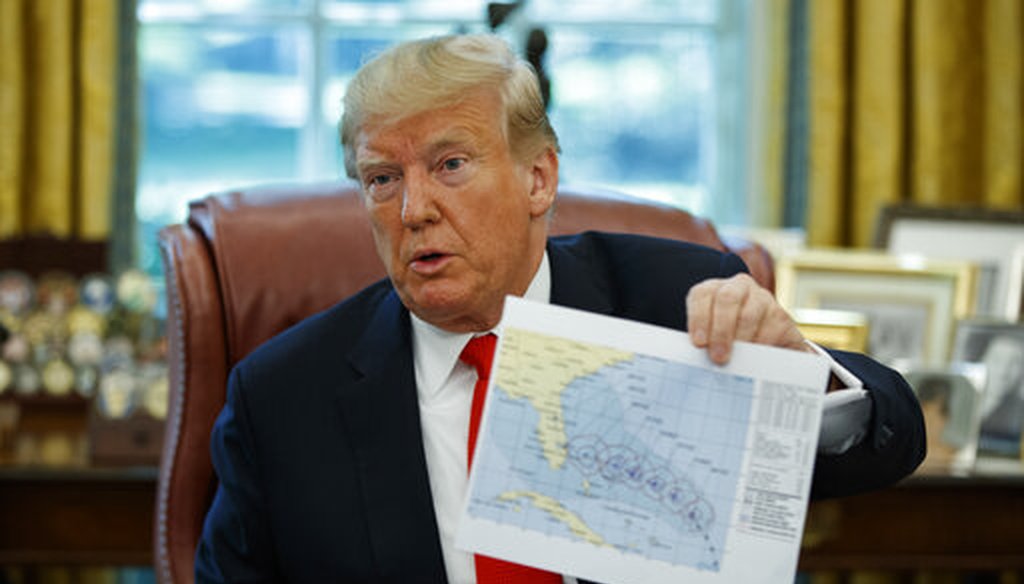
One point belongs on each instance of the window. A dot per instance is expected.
(646, 94)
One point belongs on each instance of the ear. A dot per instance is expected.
(544, 182)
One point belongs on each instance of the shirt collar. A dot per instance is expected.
(436, 351)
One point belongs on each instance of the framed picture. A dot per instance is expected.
(950, 398)
(978, 235)
(1015, 291)
(911, 304)
(836, 329)
(999, 347)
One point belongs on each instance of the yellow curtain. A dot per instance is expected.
(57, 101)
(912, 101)
(769, 57)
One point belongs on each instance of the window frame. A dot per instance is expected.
(726, 200)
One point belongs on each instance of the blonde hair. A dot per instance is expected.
(429, 74)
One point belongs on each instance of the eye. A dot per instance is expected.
(379, 180)
(380, 186)
(453, 164)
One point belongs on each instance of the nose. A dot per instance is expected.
(419, 204)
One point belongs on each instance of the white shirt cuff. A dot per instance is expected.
(847, 412)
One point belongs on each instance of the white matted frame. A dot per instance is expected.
(911, 303)
(999, 347)
(950, 399)
(1015, 289)
(982, 236)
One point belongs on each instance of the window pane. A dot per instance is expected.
(436, 10)
(635, 111)
(222, 107)
(158, 8)
(619, 11)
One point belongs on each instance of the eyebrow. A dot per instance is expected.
(456, 136)
(364, 165)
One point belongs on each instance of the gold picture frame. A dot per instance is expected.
(911, 303)
(837, 329)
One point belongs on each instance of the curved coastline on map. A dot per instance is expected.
(612, 448)
(538, 368)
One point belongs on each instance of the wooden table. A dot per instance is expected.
(925, 522)
(58, 508)
(104, 517)
(88, 516)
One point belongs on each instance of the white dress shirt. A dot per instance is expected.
(444, 385)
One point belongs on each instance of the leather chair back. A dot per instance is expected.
(249, 263)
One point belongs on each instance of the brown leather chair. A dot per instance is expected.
(249, 263)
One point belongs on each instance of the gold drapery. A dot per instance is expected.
(912, 101)
(58, 80)
(769, 76)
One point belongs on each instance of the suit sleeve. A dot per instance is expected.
(235, 545)
(895, 441)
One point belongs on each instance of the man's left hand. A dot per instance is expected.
(723, 310)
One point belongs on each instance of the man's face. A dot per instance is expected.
(457, 221)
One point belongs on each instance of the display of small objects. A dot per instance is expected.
(96, 338)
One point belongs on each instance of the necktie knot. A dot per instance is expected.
(479, 353)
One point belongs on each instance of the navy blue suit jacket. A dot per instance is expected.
(319, 449)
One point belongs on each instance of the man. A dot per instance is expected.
(342, 449)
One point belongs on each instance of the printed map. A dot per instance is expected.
(616, 449)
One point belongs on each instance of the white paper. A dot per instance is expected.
(615, 451)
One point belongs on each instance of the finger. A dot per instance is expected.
(725, 311)
(753, 314)
(698, 311)
(779, 330)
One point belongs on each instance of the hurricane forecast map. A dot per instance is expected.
(617, 449)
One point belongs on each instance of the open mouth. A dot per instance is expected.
(429, 262)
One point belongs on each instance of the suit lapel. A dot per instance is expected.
(381, 413)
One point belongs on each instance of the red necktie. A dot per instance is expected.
(479, 353)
